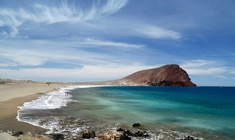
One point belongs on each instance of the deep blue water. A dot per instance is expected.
(203, 112)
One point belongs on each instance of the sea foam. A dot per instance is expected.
(54, 99)
(51, 100)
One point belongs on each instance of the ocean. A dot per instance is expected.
(204, 113)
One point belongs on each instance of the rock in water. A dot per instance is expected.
(136, 125)
(168, 75)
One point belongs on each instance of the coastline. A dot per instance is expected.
(21, 92)
(16, 93)
(8, 114)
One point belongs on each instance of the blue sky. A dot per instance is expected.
(88, 40)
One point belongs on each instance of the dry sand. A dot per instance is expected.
(23, 88)
(14, 94)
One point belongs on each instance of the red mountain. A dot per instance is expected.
(168, 75)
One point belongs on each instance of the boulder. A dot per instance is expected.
(136, 125)
(111, 135)
(188, 138)
(142, 134)
(124, 137)
(17, 133)
(87, 134)
(120, 130)
(128, 134)
(57, 136)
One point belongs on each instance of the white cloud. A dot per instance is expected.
(113, 6)
(95, 42)
(44, 14)
(37, 57)
(196, 63)
(24, 57)
(94, 72)
(221, 77)
(6, 31)
(205, 71)
(70, 52)
(85, 63)
(203, 67)
(155, 32)
(21, 57)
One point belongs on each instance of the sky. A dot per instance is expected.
(92, 40)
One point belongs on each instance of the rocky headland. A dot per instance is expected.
(167, 75)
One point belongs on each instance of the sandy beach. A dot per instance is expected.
(14, 94)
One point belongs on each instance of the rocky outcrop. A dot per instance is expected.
(168, 75)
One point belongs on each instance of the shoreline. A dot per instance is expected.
(14, 94)
(9, 108)
(8, 115)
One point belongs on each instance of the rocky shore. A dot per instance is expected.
(118, 134)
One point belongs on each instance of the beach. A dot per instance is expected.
(81, 110)
(14, 94)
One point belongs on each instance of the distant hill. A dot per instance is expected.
(168, 75)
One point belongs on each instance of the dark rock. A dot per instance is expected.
(141, 134)
(124, 137)
(129, 133)
(92, 134)
(88, 134)
(188, 138)
(136, 125)
(168, 75)
(57, 136)
(120, 130)
(17, 133)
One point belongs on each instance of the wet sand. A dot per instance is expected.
(16, 93)
(8, 114)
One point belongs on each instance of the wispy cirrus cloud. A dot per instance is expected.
(203, 67)
(8, 31)
(66, 13)
(156, 32)
(39, 57)
(40, 14)
(95, 42)
(205, 71)
(21, 57)
(75, 51)
(112, 6)
(197, 63)
(88, 72)
(44, 14)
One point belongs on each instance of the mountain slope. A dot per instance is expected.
(168, 75)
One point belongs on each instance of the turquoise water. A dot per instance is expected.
(172, 112)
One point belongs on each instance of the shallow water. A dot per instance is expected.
(164, 112)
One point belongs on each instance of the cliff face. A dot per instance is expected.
(168, 75)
